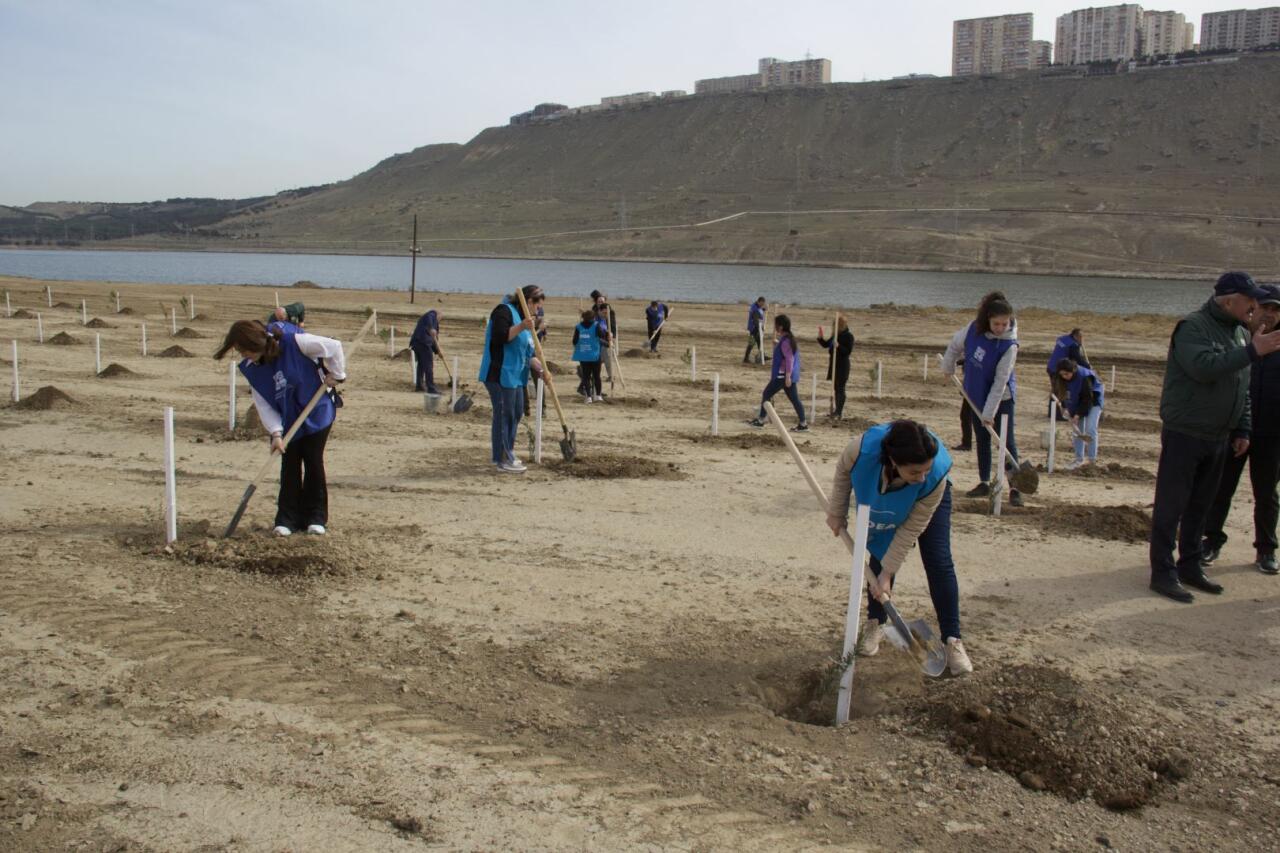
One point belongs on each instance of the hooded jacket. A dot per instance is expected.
(1206, 385)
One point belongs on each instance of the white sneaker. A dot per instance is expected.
(599, 398)
(869, 645)
(957, 658)
(281, 530)
(316, 529)
(513, 467)
(587, 400)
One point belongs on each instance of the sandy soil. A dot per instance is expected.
(628, 653)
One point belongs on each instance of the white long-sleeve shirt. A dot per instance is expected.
(328, 350)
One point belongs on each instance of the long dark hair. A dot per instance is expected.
(530, 291)
(251, 336)
(907, 443)
(783, 323)
(994, 304)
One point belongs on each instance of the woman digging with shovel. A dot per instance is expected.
(990, 350)
(504, 370)
(899, 469)
(785, 373)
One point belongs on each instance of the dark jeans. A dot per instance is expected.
(966, 426)
(304, 494)
(425, 379)
(508, 406)
(1264, 473)
(1186, 480)
(775, 385)
(984, 439)
(653, 344)
(939, 571)
(591, 377)
(841, 382)
(753, 343)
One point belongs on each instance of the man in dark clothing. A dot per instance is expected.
(839, 360)
(423, 344)
(1204, 405)
(756, 315)
(654, 316)
(1070, 345)
(1263, 454)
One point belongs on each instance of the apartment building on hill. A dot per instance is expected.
(991, 45)
(770, 73)
(1240, 29)
(1166, 33)
(1106, 34)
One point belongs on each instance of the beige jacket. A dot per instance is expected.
(904, 539)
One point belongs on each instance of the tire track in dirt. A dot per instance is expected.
(171, 656)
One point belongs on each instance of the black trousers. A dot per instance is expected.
(841, 382)
(425, 378)
(1186, 481)
(1264, 472)
(304, 494)
(653, 344)
(591, 377)
(966, 425)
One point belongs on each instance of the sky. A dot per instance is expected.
(137, 100)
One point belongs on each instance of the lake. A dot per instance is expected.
(674, 282)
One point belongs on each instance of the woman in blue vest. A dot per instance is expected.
(586, 351)
(283, 373)
(1070, 345)
(1083, 404)
(785, 373)
(900, 469)
(989, 348)
(504, 370)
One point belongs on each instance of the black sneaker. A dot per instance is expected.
(1267, 564)
(801, 428)
(1169, 587)
(982, 490)
(962, 448)
(756, 422)
(1209, 553)
(1200, 581)
(1015, 497)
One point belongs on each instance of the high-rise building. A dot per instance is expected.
(1166, 33)
(991, 45)
(1041, 54)
(1240, 29)
(1109, 33)
(770, 73)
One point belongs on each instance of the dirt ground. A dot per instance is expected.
(628, 652)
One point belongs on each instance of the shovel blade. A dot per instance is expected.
(244, 504)
(569, 446)
(462, 404)
(1025, 478)
(932, 655)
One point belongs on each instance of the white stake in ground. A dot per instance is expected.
(144, 340)
(1113, 377)
(715, 404)
(375, 322)
(997, 484)
(231, 394)
(117, 302)
(862, 521)
(173, 321)
(813, 398)
(191, 306)
(39, 329)
(693, 364)
(48, 295)
(453, 398)
(537, 426)
(97, 354)
(8, 309)
(170, 481)
(17, 391)
(391, 343)
(413, 366)
(278, 304)
(84, 314)
(926, 367)
(879, 377)
(1053, 432)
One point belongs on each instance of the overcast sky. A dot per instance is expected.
(135, 100)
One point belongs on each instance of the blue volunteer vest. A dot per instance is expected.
(754, 316)
(515, 354)
(288, 383)
(1076, 385)
(1061, 349)
(890, 509)
(981, 357)
(776, 370)
(588, 346)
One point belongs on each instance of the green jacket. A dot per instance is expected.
(1206, 383)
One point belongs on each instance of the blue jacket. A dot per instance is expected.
(1078, 402)
(1066, 347)
(654, 316)
(982, 355)
(427, 323)
(890, 509)
(586, 342)
(515, 354)
(755, 316)
(288, 384)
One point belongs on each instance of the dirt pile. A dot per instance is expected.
(249, 429)
(1053, 733)
(1110, 471)
(610, 466)
(403, 355)
(126, 310)
(113, 370)
(705, 385)
(64, 305)
(641, 353)
(45, 399)
(558, 369)
(98, 323)
(632, 402)
(23, 314)
(1117, 523)
(305, 284)
(299, 555)
(62, 339)
(742, 440)
(174, 351)
(187, 332)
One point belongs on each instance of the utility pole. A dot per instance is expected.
(622, 213)
(413, 261)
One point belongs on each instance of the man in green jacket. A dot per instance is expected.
(1204, 407)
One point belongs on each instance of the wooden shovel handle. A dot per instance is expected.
(994, 436)
(546, 371)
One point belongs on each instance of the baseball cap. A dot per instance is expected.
(1238, 282)
(1272, 295)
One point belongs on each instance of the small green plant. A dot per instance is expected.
(368, 311)
(384, 333)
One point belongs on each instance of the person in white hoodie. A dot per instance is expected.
(989, 349)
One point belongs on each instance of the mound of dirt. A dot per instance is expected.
(705, 385)
(174, 351)
(609, 466)
(403, 355)
(62, 339)
(632, 402)
(306, 284)
(113, 370)
(641, 353)
(1054, 734)
(200, 317)
(1110, 471)
(23, 314)
(126, 310)
(1118, 523)
(849, 423)
(250, 428)
(741, 440)
(98, 323)
(45, 399)
(64, 305)
(187, 332)
(295, 556)
(558, 369)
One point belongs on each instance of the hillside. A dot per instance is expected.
(1133, 173)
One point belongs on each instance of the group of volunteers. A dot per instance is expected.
(1220, 406)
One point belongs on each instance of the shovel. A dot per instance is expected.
(288, 436)
(464, 401)
(1024, 477)
(915, 637)
(1087, 439)
(568, 444)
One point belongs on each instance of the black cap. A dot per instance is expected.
(1238, 282)
(1272, 295)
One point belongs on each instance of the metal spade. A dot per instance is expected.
(917, 639)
